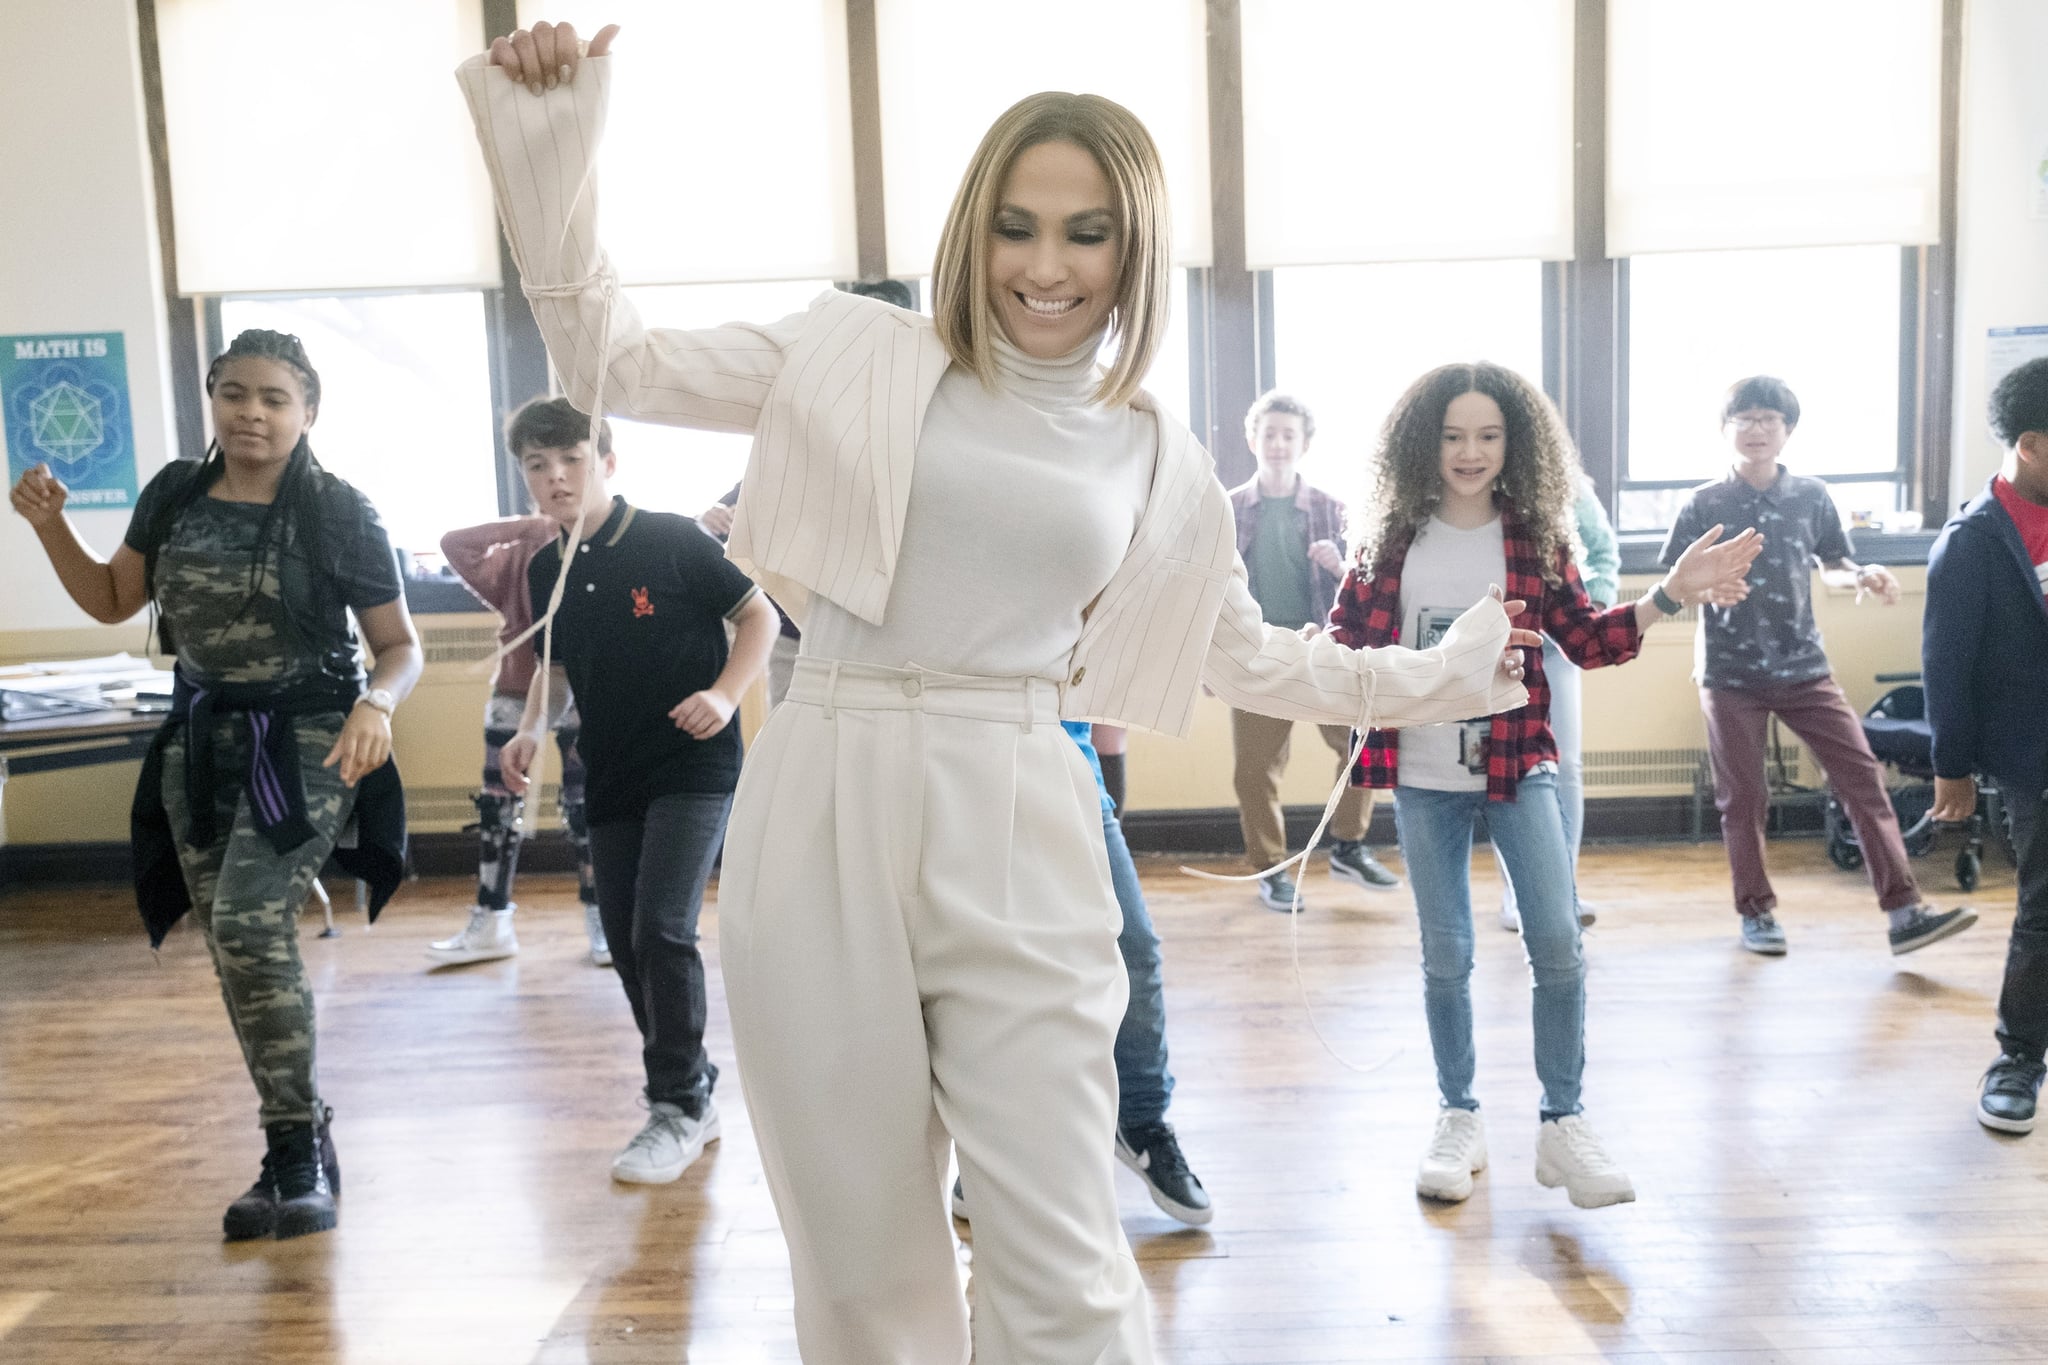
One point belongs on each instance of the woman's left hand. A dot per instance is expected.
(364, 744)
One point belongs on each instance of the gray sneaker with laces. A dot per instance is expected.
(664, 1148)
(1761, 934)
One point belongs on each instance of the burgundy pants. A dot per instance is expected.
(1821, 716)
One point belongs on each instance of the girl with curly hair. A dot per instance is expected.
(1473, 485)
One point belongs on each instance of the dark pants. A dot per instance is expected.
(1821, 716)
(2023, 1002)
(650, 887)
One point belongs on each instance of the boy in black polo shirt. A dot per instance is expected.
(1763, 657)
(640, 637)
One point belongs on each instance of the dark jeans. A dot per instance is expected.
(650, 887)
(2023, 1002)
(1143, 1083)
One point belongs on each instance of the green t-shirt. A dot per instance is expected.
(1278, 565)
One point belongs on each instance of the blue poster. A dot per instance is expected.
(65, 400)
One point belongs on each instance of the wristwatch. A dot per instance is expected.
(379, 699)
(1665, 602)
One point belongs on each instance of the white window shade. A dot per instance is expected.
(949, 67)
(1772, 123)
(301, 162)
(728, 151)
(1386, 130)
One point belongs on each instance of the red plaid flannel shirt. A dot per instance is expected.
(1368, 615)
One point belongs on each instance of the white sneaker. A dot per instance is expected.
(1510, 917)
(665, 1147)
(1457, 1152)
(593, 925)
(487, 936)
(1568, 1153)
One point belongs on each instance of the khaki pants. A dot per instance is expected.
(1261, 744)
(919, 939)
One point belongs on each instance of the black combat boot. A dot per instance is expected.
(305, 1198)
(255, 1213)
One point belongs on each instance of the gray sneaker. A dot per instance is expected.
(664, 1148)
(1351, 861)
(1925, 928)
(1761, 934)
(1278, 892)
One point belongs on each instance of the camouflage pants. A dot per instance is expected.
(246, 898)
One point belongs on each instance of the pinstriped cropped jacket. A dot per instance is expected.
(835, 397)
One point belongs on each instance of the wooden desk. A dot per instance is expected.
(48, 743)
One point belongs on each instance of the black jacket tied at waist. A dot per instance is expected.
(273, 785)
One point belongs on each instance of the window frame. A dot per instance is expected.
(1230, 308)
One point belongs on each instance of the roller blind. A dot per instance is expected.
(1772, 123)
(728, 149)
(303, 161)
(949, 67)
(1387, 130)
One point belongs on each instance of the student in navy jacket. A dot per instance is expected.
(1983, 648)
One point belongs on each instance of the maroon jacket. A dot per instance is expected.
(1368, 615)
(1322, 517)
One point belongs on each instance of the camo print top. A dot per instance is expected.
(225, 633)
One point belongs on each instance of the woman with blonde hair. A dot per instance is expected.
(981, 532)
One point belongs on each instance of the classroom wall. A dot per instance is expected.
(2002, 208)
(78, 250)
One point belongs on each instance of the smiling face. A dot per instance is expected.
(565, 482)
(1054, 251)
(259, 410)
(1475, 447)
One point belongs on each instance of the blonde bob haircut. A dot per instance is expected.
(1130, 162)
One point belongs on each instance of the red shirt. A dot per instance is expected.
(2032, 519)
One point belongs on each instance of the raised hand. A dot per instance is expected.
(1714, 571)
(40, 497)
(546, 55)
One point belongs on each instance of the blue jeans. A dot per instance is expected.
(1143, 1083)
(1436, 842)
(1568, 728)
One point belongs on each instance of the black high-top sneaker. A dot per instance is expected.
(255, 1213)
(305, 1201)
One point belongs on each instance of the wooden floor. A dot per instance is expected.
(1813, 1186)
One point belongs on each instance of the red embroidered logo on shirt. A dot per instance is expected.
(641, 606)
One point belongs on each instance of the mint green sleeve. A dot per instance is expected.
(1601, 568)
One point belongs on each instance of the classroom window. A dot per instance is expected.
(405, 408)
(1348, 339)
(1823, 319)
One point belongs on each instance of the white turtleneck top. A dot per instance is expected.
(1023, 502)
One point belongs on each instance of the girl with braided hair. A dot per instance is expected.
(253, 557)
(1474, 482)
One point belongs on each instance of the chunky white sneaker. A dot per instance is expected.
(1457, 1152)
(600, 951)
(665, 1147)
(1568, 1153)
(487, 936)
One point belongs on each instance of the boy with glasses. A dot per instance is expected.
(1763, 657)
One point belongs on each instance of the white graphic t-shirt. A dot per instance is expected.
(1447, 570)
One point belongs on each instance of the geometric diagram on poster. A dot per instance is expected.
(65, 422)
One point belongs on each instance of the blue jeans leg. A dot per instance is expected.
(1143, 1083)
(1529, 832)
(1435, 830)
(1567, 726)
